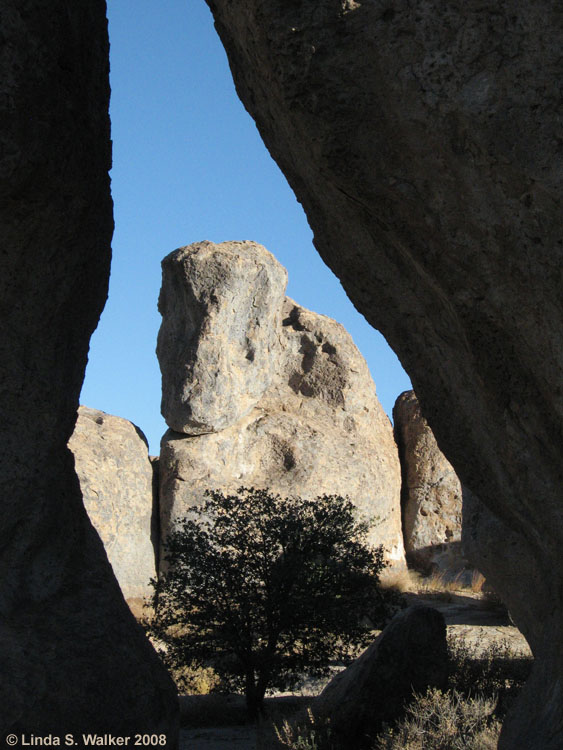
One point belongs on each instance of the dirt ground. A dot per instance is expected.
(218, 738)
(217, 722)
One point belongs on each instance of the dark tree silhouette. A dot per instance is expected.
(265, 588)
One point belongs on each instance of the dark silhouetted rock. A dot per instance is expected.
(424, 142)
(73, 658)
(408, 657)
(483, 534)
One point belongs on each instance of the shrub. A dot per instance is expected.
(464, 717)
(196, 680)
(496, 672)
(262, 589)
(481, 685)
(443, 721)
(434, 721)
(309, 734)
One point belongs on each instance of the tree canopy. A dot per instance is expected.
(265, 588)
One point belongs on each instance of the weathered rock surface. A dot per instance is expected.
(518, 571)
(431, 494)
(483, 534)
(116, 479)
(408, 657)
(73, 658)
(318, 429)
(424, 144)
(217, 345)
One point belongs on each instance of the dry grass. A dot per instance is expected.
(482, 685)
(402, 580)
(438, 585)
(194, 680)
(441, 582)
(305, 734)
(477, 582)
(442, 585)
(443, 721)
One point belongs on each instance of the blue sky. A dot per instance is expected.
(188, 165)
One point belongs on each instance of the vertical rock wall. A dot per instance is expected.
(73, 658)
(424, 141)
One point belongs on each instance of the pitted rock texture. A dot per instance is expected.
(408, 657)
(431, 493)
(218, 342)
(318, 429)
(73, 658)
(424, 142)
(116, 479)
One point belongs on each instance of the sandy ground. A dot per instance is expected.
(479, 624)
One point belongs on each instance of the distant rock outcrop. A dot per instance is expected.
(116, 479)
(316, 426)
(431, 491)
(408, 657)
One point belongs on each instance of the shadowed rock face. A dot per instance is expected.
(73, 658)
(407, 658)
(424, 142)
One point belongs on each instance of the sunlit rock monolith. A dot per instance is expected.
(318, 427)
(218, 344)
